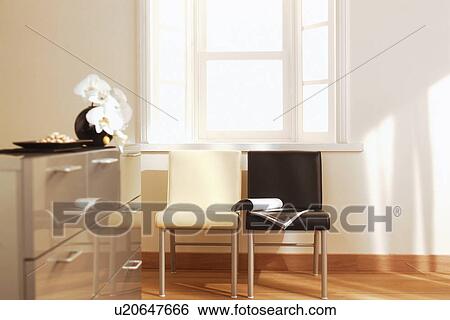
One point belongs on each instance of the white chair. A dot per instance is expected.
(200, 178)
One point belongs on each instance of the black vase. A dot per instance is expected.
(85, 131)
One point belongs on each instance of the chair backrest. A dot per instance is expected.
(204, 177)
(294, 177)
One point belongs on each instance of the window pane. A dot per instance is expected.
(171, 13)
(315, 110)
(172, 100)
(168, 71)
(244, 95)
(314, 11)
(172, 56)
(315, 54)
(249, 25)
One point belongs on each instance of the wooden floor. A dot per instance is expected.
(209, 285)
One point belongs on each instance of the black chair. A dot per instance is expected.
(296, 179)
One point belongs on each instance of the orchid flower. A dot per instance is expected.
(111, 112)
(93, 89)
(105, 119)
(124, 107)
(122, 139)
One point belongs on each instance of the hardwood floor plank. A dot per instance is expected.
(300, 285)
(303, 262)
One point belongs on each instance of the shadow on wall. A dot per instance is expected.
(399, 109)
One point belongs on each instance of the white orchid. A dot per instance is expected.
(122, 139)
(124, 107)
(108, 101)
(93, 89)
(119, 95)
(111, 112)
(105, 119)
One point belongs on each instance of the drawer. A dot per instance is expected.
(104, 175)
(49, 180)
(126, 283)
(79, 268)
(119, 247)
(66, 272)
(65, 179)
(113, 250)
(130, 176)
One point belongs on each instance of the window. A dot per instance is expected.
(242, 71)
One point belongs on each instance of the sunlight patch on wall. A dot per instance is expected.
(379, 149)
(420, 236)
(439, 124)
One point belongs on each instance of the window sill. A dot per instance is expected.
(327, 147)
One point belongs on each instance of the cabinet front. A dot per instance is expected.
(53, 185)
(104, 175)
(65, 273)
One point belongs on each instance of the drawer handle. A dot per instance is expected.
(131, 154)
(73, 255)
(132, 265)
(65, 169)
(105, 161)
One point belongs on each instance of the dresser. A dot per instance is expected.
(75, 262)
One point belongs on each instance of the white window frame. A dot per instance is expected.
(285, 56)
(338, 120)
(330, 135)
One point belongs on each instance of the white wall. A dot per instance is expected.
(398, 107)
(37, 79)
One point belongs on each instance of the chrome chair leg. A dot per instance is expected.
(316, 253)
(162, 262)
(234, 260)
(324, 277)
(238, 249)
(172, 252)
(251, 264)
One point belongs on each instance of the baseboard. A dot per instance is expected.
(303, 262)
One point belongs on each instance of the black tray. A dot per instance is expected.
(52, 146)
(32, 152)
